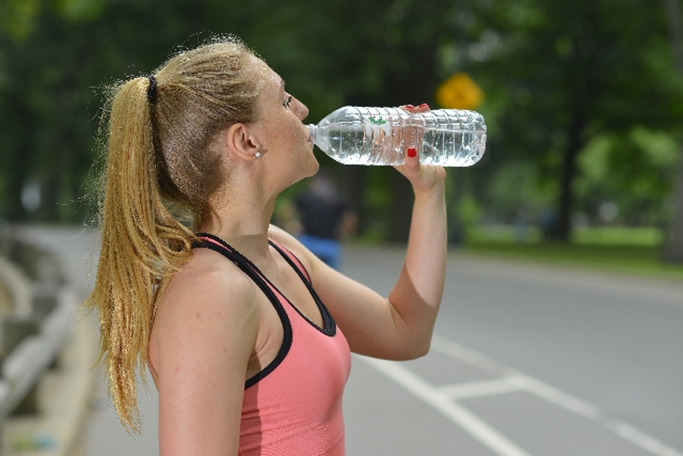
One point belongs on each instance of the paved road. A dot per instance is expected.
(527, 360)
(539, 361)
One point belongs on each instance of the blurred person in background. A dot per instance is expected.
(246, 333)
(326, 218)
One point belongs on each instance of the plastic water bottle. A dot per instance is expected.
(380, 136)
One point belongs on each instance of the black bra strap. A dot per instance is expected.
(329, 326)
(211, 242)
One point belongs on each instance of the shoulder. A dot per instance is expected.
(210, 276)
(207, 294)
(202, 339)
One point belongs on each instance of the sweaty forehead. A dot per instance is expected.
(266, 75)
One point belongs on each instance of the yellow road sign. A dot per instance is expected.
(459, 92)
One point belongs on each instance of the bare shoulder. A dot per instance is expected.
(202, 338)
(205, 295)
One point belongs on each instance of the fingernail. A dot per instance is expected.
(423, 105)
(412, 152)
(409, 106)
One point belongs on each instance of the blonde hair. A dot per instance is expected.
(158, 158)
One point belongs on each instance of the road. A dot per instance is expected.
(526, 360)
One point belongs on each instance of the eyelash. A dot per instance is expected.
(288, 101)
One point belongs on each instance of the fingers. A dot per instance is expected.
(412, 168)
(410, 133)
(412, 163)
(424, 107)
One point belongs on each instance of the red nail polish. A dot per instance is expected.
(409, 106)
(423, 105)
(412, 152)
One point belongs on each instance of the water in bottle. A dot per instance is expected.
(380, 136)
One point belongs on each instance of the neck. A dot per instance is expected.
(242, 218)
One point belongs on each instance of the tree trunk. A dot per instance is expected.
(566, 202)
(673, 247)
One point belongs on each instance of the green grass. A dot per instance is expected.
(614, 249)
(642, 236)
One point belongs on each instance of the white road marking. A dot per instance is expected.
(478, 389)
(557, 397)
(641, 439)
(469, 356)
(459, 415)
(519, 381)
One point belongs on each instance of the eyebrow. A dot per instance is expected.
(282, 83)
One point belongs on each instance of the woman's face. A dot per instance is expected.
(284, 139)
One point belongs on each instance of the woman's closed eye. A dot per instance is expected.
(288, 102)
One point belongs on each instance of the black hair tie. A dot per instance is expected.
(152, 89)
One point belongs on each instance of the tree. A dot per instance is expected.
(566, 72)
(673, 249)
(555, 75)
(49, 110)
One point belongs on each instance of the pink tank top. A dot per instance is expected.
(294, 405)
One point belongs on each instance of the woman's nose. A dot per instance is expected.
(301, 110)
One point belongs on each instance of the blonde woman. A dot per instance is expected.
(246, 333)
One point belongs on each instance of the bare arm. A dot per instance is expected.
(417, 294)
(203, 337)
(400, 326)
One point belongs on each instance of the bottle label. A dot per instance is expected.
(376, 127)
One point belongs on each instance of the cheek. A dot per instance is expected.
(295, 136)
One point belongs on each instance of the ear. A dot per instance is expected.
(242, 141)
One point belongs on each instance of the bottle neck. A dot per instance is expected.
(313, 130)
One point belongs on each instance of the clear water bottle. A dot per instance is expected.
(380, 136)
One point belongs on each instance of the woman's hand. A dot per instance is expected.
(424, 178)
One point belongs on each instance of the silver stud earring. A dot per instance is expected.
(257, 155)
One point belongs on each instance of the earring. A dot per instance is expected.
(257, 155)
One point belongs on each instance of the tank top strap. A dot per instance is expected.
(211, 242)
(292, 259)
(217, 244)
(329, 326)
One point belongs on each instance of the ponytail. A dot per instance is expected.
(158, 135)
(142, 246)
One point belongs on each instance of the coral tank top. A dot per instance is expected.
(294, 405)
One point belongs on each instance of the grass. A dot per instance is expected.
(635, 251)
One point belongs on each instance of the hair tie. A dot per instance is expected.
(152, 89)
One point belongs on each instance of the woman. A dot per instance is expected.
(246, 333)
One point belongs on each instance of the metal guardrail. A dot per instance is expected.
(42, 320)
(24, 366)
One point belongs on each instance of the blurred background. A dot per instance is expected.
(583, 102)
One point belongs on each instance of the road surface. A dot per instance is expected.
(526, 360)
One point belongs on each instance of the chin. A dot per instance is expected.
(315, 167)
(308, 168)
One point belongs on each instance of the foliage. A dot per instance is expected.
(635, 260)
(582, 99)
(563, 73)
(634, 170)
